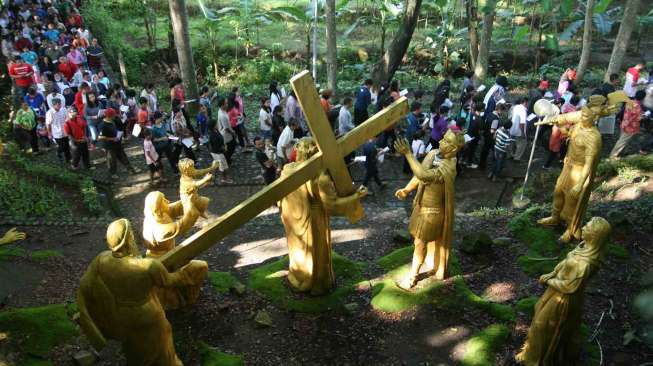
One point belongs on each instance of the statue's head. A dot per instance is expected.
(450, 144)
(595, 235)
(120, 239)
(305, 148)
(156, 205)
(186, 166)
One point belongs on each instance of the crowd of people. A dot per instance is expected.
(64, 98)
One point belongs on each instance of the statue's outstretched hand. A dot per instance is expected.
(362, 191)
(11, 236)
(401, 146)
(401, 194)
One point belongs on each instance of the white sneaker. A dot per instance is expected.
(473, 166)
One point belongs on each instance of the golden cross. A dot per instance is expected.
(330, 157)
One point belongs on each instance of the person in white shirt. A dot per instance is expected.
(345, 120)
(52, 95)
(265, 118)
(286, 141)
(149, 93)
(632, 79)
(55, 119)
(518, 129)
(225, 129)
(276, 95)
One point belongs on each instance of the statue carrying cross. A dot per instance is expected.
(329, 158)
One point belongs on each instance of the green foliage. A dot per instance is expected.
(35, 331)
(270, 281)
(213, 357)
(527, 305)
(617, 252)
(491, 212)
(644, 306)
(45, 254)
(21, 198)
(222, 282)
(609, 168)
(481, 349)
(8, 252)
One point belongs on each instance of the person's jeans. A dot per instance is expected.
(169, 154)
(26, 138)
(360, 116)
(521, 143)
(488, 145)
(93, 131)
(63, 149)
(231, 147)
(470, 151)
(115, 153)
(79, 151)
(499, 158)
(372, 172)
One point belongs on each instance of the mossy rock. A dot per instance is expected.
(9, 252)
(213, 357)
(222, 282)
(527, 305)
(35, 331)
(270, 282)
(476, 243)
(481, 348)
(45, 254)
(396, 258)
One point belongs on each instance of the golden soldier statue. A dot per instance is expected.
(574, 185)
(117, 300)
(431, 223)
(553, 338)
(305, 216)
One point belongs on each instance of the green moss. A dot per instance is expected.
(481, 349)
(396, 258)
(8, 252)
(501, 312)
(35, 331)
(386, 296)
(45, 254)
(213, 357)
(617, 252)
(609, 167)
(527, 305)
(222, 282)
(269, 281)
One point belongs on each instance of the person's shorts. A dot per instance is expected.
(222, 161)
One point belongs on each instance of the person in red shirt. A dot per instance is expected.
(22, 74)
(21, 42)
(630, 124)
(75, 129)
(80, 96)
(143, 117)
(67, 68)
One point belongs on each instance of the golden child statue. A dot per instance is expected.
(159, 232)
(117, 300)
(574, 185)
(432, 220)
(189, 187)
(305, 216)
(553, 338)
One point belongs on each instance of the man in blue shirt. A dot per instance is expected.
(363, 100)
(413, 118)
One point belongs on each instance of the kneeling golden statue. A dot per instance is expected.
(553, 338)
(117, 300)
(432, 220)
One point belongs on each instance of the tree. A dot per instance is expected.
(480, 70)
(587, 42)
(472, 24)
(628, 22)
(385, 69)
(332, 52)
(179, 20)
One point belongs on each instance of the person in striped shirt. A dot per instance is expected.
(502, 141)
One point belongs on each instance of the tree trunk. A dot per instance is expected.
(472, 24)
(148, 29)
(587, 43)
(171, 37)
(623, 38)
(179, 17)
(332, 51)
(480, 71)
(385, 69)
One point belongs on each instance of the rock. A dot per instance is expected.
(476, 243)
(351, 307)
(402, 236)
(84, 358)
(239, 288)
(502, 241)
(263, 318)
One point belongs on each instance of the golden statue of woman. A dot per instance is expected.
(432, 220)
(117, 300)
(574, 185)
(553, 338)
(305, 215)
(159, 232)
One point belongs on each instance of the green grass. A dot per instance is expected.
(609, 168)
(35, 331)
(8, 252)
(527, 305)
(222, 282)
(541, 242)
(213, 357)
(270, 281)
(617, 252)
(481, 349)
(45, 254)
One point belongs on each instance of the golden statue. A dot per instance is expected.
(553, 338)
(159, 232)
(305, 215)
(11, 236)
(189, 187)
(574, 185)
(117, 300)
(432, 220)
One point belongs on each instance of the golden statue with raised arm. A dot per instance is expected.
(117, 300)
(305, 215)
(164, 222)
(574, 185)
(189, 187)
(553, 337)
(432, 220)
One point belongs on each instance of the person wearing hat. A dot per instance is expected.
(110, 138)
(117, 300)
(537, 93)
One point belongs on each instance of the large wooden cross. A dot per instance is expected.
(330, 158)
